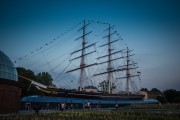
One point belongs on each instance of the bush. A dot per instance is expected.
(177, 99)
(162, 99)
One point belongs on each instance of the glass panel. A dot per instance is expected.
(7, 69)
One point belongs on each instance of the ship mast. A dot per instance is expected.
(110, 70)
(85, 45)
(127, 72)
(109, 55)
(82, 58)
(127, 68)
(109, 61)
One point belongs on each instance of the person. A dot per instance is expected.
(36, 107)
(88, 105)
(47, 106)
(71, 106)
(97, 106)
(116, 106)
(58, 106)
(62, 106)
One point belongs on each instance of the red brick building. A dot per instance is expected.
(9, 89)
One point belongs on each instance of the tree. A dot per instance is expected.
(104, 86)
(162, 99)
(155, 90)
(170, 94)
(25, 85)
(44, 78)
(144, 89)
(177, 99)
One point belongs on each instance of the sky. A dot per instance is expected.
(150, 27)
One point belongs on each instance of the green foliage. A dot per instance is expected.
(162, 99)
(24, 84)
(156, 106)
(155, 90)
(94, 115)
(44, 78)
(144, 89)
(104, 86)
(170, 95)
(177, 99)
(26, 87)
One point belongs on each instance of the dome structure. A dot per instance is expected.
(9, 86)
(7, 68)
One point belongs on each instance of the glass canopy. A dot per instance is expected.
(7, 68)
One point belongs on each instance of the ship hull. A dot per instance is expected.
(91, 95)
(80, 99)
(78, 103)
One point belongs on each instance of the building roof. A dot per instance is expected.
(46, 99)
(7, 68)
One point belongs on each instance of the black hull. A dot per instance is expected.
(96, 96)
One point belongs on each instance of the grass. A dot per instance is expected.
(133, 112)
(95, 115)
(156, 106)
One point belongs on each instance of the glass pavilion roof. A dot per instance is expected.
(7, 68)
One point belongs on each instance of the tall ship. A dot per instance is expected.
(105, 70)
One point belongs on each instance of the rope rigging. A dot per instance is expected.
(62, 71)
(54, 63)
(46, 44)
